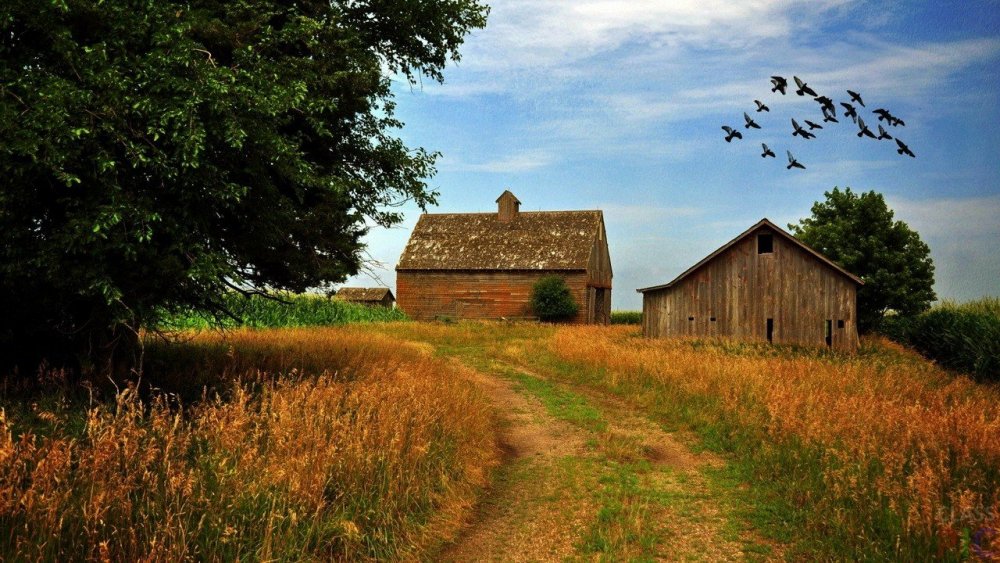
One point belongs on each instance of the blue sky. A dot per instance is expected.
(617, 105)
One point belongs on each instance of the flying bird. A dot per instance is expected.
(894, 121)
(800, 131)
(760, 106)
(804, 88)
(767, 152)
(792, 163)
(882, 134)
(855, 97)
(903, 149)
(780, 84)
(849, 111)
(865, 131)
(750, 122)
(812, 125)
(829, 118)
(883, 114)
(731, 133)
(826, 104)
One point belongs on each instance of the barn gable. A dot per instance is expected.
(752, 230)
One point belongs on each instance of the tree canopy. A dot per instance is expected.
(858, 232)
(155, 153)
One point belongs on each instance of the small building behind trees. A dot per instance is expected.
(763, 285)
(484, 265)
(370, 296)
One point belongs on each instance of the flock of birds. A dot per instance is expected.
(829, 111)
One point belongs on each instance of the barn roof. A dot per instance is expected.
(363, 293)
(533, 240)
(762, 223)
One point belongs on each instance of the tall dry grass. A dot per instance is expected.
(332, 444)
(892, 453)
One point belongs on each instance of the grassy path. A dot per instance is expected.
(587, 477)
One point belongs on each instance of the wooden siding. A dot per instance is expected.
(429, 294)
(741, 289)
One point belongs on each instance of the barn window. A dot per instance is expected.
(828, 332)
(770, 330)
(765, 244)
(840, 323)
(690, 318)
(712, 319)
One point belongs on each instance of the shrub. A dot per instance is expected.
(963, 337)
(626, 317)
(551, 299)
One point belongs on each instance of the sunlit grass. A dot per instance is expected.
(323, 444)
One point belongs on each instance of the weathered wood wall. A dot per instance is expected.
(735, 293)
(426, 295)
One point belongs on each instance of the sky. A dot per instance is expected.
(618, 105)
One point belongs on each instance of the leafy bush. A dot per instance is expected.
(552, 301)
(626, 317)
(963, 337)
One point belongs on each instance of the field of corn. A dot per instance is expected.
(367, 442)
(282, 310)
(960, 336)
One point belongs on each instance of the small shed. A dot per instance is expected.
(371, 296)
(763, 285)
(484, 265)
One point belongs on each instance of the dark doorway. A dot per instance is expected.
(828, 332)
(770, 330)
(602, 313)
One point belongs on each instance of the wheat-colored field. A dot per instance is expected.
(897, 445)
(368, 442)
(323, 444)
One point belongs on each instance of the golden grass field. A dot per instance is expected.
(369, 443)
(328, 444)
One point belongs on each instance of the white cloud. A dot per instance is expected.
(513, 163)
(962, 218)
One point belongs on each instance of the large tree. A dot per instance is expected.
(155, 152)
(858, 232)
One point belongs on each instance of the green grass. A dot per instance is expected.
(283, 310)
(560, 403)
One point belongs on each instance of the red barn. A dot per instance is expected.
(483, 265)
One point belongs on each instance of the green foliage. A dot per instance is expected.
(551, 299)
(858, 232)
(963, 337)
(626, 317)
(156, 152)
(283, 310)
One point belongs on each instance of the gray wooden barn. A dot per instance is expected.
(763, 285)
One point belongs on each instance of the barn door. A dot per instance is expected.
(601, 313)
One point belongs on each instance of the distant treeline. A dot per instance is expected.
(963, 337)
(283, 310)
